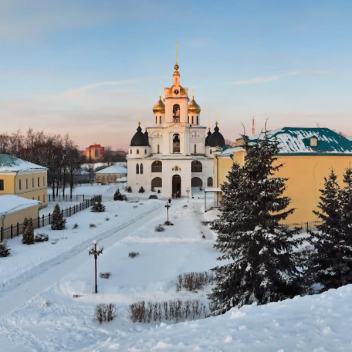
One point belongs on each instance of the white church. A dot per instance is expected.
(175, 155)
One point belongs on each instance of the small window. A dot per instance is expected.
(141, 169)
(197, 120)
(39, 198)
(130, 151)
(32, 182)
(137, 151)
(43, 181)
(160, 120)
(211, 152)
(195, 149)
(314, 142)
(156, 120)
(44, 198)
(137, 169)
(26, 183)
(188, 119)
(20, 185)
(192, 120)
(1, 185)
(38, 182)
(158, 149)
(145, 151)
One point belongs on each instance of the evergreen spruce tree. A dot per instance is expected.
(262, 266)
(98, 207)
(28, 233)
(330, 263)
(58, 222)
(24, 224)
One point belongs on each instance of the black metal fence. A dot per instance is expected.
(41, 221)
(66, 198)
(305, 226)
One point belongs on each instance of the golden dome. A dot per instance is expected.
(159, 107)
(193, 107)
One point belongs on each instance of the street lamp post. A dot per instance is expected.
(94, 251)
(187, 190)
(167, 206)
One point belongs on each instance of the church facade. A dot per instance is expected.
(175, 154)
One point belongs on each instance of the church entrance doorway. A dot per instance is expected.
(176, 186)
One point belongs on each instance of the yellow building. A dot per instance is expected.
(22, 178)
(13, 210)
(308, 155)
(111, 174)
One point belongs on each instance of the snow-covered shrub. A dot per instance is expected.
(159, 228)
(92, 225)
(28, 233)
(174, 310)
(105, 312)
(133, 254)
(105, 275)
(107, 219)
(129, 189)
(98, 207)
(46, 303)
(141, 190)
(168, 223)
(4, 249)
(75, 226)
(194, 281)
(41, 237)
(57, 220)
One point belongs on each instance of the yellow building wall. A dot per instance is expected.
(18, 217)
(305, 178)
(9, 183)
(26, 190)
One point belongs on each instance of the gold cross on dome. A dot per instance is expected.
(139, 119)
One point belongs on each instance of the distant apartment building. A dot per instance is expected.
(94, 152)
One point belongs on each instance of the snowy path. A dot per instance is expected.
(55, 270)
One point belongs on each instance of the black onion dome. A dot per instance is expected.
(216, 138)
(139, 139)
(207, 137)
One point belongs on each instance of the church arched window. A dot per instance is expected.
(176, 143)
(176, 113)
(157, 166)
(130, 151)
(157, 182)
(137, 151)
(141, 169)
(158, 149)
(145, 151)
(196, 166)
(210, 182)
(137, 169)
(156, 120)
(195, 149)
(192, 120)
(197, 120)
(160, 120)
(196, 182)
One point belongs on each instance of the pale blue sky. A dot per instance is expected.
(89, 67)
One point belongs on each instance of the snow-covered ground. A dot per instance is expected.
(314, 323)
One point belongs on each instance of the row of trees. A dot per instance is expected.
(265, 258)
(58, 154)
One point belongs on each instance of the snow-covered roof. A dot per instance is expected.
(9, 163)
(114, 169)
(96, 165)
(10, 203)
(297, 140)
